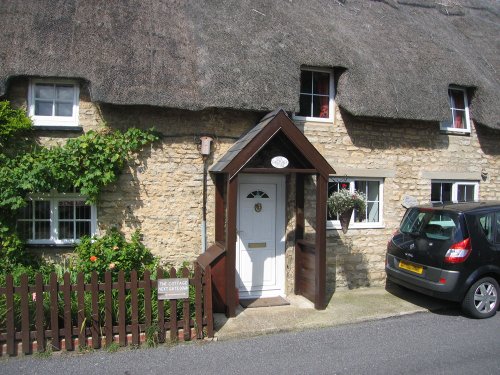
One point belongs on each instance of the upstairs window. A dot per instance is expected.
(459, 107)
(454, 191)
(53, 103)
(316, 95)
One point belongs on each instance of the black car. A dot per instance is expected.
(450, 251)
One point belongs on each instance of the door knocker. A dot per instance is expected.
(258, 207)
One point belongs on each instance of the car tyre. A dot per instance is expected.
(481, 300)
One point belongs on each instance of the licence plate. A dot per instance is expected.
(411, 267)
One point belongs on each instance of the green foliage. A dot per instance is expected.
(113, 252)
(12, 122)
(87, 163)
(343, 200)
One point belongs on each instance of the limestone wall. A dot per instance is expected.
(161, 190)
(410, 151)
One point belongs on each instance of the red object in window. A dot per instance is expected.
(324, 110)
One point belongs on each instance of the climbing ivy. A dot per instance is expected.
(87, 163)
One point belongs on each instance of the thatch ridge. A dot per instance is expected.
(400, 56)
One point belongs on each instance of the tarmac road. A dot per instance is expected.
(422, 343)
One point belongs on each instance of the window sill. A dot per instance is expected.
(464, 132)
(354, 227)
(72, 128)
(318, 120)
(50, 245)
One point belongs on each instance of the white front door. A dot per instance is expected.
(260, 248)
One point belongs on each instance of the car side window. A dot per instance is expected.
(486, 224)
(497, 236)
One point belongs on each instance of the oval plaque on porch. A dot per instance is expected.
(279, 162)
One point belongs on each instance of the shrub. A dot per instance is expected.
(113, 252)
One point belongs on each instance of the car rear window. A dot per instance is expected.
(437, 225)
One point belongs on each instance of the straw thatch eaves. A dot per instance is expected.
(400, 56)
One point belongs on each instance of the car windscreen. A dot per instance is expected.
(433, 224)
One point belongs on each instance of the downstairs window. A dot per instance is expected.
(56, 218)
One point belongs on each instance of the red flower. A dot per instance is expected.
(93, 258)
(344, 186)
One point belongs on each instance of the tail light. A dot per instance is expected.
(390, 239)
(458, 252)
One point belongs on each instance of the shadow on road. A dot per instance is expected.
(434, 305)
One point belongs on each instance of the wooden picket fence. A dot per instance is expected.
(67, 331)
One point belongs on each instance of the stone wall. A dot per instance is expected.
(160, 191)
(408, 152)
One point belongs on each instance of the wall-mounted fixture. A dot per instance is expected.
(206, 142)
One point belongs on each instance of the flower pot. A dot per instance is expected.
(345, 218)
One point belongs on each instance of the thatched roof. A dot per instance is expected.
(400, 56)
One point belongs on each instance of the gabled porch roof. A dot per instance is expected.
(270, 126)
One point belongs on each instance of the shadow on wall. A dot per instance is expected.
(344, 265)
(384, 134)
(489, 140)
(120, 201)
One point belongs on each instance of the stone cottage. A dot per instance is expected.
(265, 108)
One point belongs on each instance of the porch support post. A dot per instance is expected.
(220, 214)
(299, 227)
(320, 260)
(232, 201)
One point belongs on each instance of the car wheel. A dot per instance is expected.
(481, 300)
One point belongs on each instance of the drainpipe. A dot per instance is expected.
(205, 153)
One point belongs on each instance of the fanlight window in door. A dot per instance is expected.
(257, 194)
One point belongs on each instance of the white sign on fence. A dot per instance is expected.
(173, 288)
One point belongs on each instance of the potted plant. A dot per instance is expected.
(343, 203)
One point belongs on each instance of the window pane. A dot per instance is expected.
(359, 217)
(66, 210)
(44, 91)
(457, 99)
(66, 230)
(373, 191)
(42, 210)
(436, 192)
(64, 109)
(306, 82)
(497, 240)
(465, 193)
(360, 186)
(82, 210)
(43, 108)
(373, 212)
(82, 229)
(333, 187)
(321, 83)
(42, 230)
(458, 119)
(324, 103)
(305, 105)
(486, 224)
(65, 93)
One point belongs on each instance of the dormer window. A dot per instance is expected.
(316, 95)
(53, 102)
(459, 106)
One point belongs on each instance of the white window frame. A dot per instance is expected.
(331, 102)
(454, 189)
(53, 120)
(54, 198)
(335, 224)
(447, 125)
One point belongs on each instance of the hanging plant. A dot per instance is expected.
(343, 203)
